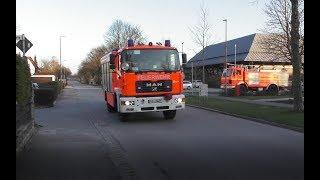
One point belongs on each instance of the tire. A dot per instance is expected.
(110, 108)
(273, 90)
(188, 87)
(124, 117)
(243, 90)
(170, 114)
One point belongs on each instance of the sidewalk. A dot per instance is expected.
(65, 146)
(267, 102)
(214, 90)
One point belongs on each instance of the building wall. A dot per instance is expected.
(32, 69)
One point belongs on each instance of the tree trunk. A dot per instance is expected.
(296, 58)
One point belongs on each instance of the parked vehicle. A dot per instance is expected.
(197, 83)
(35, 86)
(187, 85)
(43, 78)
(143, 78)
(244, 79)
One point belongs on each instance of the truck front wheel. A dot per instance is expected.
(170, 114)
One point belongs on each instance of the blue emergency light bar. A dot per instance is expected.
(130, 43)
(167, 43)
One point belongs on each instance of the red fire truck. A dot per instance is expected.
(143, 78)
(244, 78)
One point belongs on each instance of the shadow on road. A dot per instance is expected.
(145, 117)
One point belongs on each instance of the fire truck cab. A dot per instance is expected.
(143, 78)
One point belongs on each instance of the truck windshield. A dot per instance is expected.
(151, 60)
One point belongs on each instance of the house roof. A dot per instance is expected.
(248, 49)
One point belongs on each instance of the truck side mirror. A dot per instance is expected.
(184, 58)
(112, 61)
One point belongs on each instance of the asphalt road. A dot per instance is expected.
(198, 144)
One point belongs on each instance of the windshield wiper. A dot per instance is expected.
(150, 70)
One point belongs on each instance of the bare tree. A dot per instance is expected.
(119, 33)
(201, 33)
(282, 28)
(278, 28)
(115, 38)
(52, 67)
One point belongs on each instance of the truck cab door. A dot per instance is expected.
(238, 75)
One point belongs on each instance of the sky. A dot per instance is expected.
(84, 23)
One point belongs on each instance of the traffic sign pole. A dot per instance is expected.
(23, 44)
(24, 48)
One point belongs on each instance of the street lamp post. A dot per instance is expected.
(60, 58)
(182, 47)
(235, 54)
(225, 60)
(192, 66)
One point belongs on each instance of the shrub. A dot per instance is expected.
(44, 96)
(23, 81)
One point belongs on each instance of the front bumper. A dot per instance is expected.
(228, 87)
(147, 104)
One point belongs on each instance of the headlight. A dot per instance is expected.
(127, 103)
(179, 100)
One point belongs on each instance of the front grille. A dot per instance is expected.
(157, 86)
(163, 107)
(147, 108)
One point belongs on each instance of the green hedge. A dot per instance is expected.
(23, 81)
(47, 93)
(44, 96)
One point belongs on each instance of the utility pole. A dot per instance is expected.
(235, 54)
(192, 72)
(203, 59)
(60, 59)
(182, 48)
(225, 60)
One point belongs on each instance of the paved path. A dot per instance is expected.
(67, 146)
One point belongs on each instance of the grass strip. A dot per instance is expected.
(269, 113)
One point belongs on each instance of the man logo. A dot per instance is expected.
(153, 84)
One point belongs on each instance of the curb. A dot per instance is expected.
(298, 129)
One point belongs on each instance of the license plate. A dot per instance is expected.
(151, 101)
